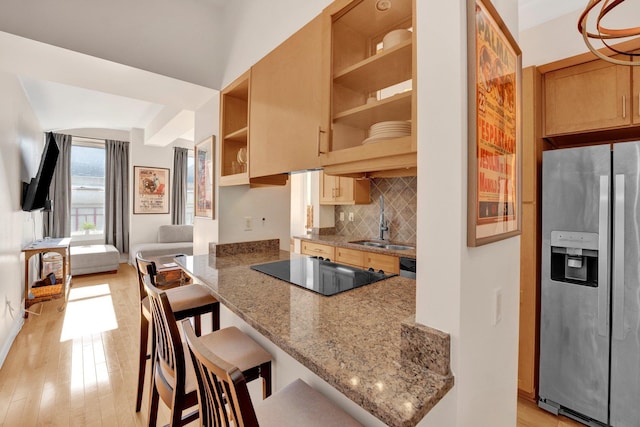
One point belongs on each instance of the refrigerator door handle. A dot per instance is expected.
(603, 242)
(618, 259)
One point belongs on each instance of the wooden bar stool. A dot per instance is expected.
(174, 379)
(186, 301)
(224, 397)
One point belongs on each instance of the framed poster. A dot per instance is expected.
(203, 176)
(494, 164)
(151, 190)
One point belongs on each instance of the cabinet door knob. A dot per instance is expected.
(624, 107)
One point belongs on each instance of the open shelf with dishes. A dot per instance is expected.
(385, 68)
(234, 118)
(371, 103)
(396, 107)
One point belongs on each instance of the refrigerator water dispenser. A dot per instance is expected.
(574, 257)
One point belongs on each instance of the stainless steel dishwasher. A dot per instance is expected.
(408, 267)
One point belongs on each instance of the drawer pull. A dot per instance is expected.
(320, 132)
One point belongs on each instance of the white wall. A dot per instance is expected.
(455, 283)
(177, 39)
(256, 27)
(562, 34)
(143, 228)
(270, 203)
(21, 142)
(298, 214)
(207, 123)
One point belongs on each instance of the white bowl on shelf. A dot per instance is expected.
(395, 37)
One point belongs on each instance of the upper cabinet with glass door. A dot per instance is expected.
(370, 45)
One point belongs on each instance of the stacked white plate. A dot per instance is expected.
(388, 130)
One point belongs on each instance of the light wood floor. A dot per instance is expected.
(79, 367)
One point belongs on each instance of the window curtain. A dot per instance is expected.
(116, 210)
(57, 222)
(179, 196)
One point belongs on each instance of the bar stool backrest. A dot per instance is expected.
(222, 388)
(169, 364)
(145, 268)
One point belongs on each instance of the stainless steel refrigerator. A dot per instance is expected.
(590, 297)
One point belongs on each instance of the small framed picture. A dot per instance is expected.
(204, 173)
(151, 190)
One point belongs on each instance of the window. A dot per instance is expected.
(87, 187)
(188, 218)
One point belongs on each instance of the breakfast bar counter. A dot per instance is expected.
(363, 342)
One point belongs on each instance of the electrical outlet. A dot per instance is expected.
(247, 223)
(341, 216)
(351, 216)
(497, 306)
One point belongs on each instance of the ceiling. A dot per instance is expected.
(532, 13)
(72, 90)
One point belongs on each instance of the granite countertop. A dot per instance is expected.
(360, 341)
(345, 242)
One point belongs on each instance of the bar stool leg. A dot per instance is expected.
(197, 325)
(265, 373)
(215, 317)
(153, 406)
(142, 359)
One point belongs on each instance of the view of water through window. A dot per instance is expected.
(87, 189)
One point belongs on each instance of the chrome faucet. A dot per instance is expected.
(384, 225)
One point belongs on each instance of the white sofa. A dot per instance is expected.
(172, 239)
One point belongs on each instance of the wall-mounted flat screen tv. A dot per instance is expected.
(35, 193)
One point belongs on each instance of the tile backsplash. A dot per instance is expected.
(400, 205)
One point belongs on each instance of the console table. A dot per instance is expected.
(61, 288)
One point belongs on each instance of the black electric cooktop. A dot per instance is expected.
(319, 275)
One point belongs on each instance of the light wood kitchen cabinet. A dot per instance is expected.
(286, 111)
(363, 259)
(635, 94)
(368, 84)
(235, 142)
(591, 96)
(351, 257)
(340, 190)
(317, 249)
(532, 146)
(387, 263)
(234, 131)
(390, 264)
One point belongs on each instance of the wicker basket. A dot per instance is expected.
(47, 291)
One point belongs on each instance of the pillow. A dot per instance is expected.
(175, 233)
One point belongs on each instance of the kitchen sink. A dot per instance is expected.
(383, 245)
(398, 247)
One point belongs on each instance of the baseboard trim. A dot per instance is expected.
(13, 333)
